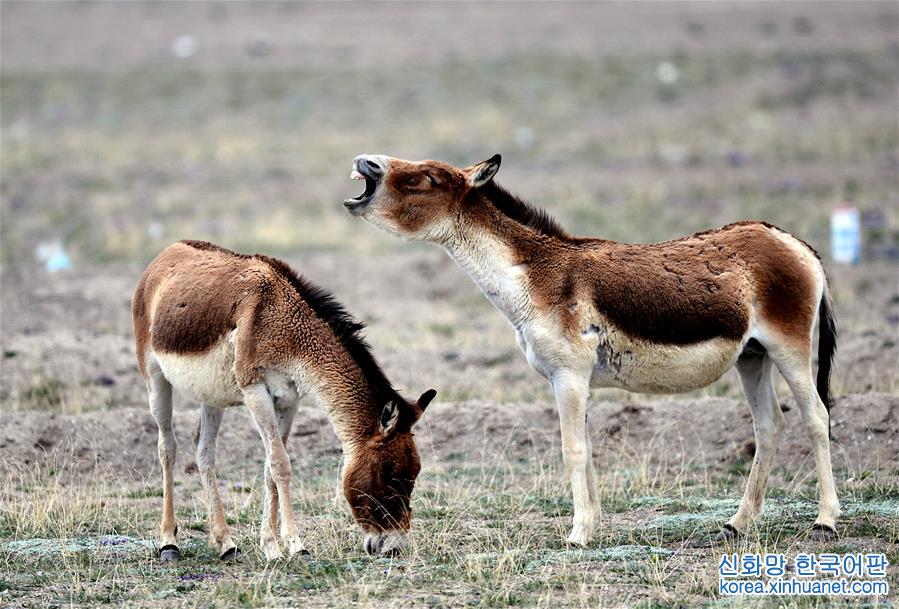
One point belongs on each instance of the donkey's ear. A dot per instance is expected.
(390, 417)
(483, 172)
(426, 398)
(418, 408)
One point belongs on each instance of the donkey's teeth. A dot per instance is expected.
(356, 175)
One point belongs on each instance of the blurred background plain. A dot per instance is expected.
(127, 126)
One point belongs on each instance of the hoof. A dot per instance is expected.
(302, 554)
(580, 535)
(295, 548)
(169, 553)
(579, 542)
(391, 553)
(231, 555)
(727, 534)
(822, 532)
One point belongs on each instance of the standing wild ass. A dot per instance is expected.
(663, 317)
(227, 329)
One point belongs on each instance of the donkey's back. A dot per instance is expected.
(710, 285)
(187, 298)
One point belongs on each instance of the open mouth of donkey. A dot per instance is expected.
(371, 183)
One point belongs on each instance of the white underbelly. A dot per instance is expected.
(206, 377)
(655, 368)
(615, 359)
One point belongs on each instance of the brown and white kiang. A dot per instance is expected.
(663, 317)
(227, 329)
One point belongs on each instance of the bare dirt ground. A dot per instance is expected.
(633, 122)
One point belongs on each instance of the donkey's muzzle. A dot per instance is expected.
(369, 169)
(387, 543)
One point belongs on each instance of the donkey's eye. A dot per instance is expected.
(421, 181)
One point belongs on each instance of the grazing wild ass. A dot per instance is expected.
(662, 318)
(227, 329)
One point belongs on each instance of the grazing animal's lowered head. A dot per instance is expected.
(378, 480)
(416, 199)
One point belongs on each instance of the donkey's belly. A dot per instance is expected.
(654, 368)
(206, 377)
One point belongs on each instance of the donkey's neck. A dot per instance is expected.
(495, 251)
(344, 393)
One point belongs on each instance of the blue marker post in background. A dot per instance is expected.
(845, 235)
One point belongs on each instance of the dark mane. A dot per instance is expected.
(206, 246)
(521, 211)
(347, 330)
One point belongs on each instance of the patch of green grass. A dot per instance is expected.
(144, 493)
(42, 394)
(740, 468)
(444, 330)
(550, 505)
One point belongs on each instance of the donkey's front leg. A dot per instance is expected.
(270, 516)
(268, 529)
(259, 402)
(571, 391)
(591, 472)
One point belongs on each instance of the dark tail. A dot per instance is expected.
(827, 346)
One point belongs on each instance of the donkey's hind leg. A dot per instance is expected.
(798, 373)
(220, 534)
(160, 396)
(768, 422)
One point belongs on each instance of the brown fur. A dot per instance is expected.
(392, 509)
(194, 293)
(675, 292)
(424, 201)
